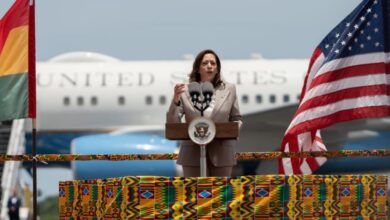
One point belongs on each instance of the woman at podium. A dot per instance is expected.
(222, 107)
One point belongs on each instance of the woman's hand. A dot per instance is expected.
(179, 89)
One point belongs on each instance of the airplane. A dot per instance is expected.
(90, 86)
(90, 94)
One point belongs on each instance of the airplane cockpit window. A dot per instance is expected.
(93, 100)
(121, 100)
(298, 97)
(66, 101)
(148, 100)
(163, 100)
(259, 99)
(80, 100)
(272, 98)
(286, 98)
(245, 99)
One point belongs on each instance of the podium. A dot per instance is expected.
(224, 130)
(179, 131)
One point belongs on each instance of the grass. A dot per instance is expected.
(48, 208)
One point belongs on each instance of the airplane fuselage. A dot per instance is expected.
(103, 95)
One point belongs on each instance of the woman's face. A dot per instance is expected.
(208, 68)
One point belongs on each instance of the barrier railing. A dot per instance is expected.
(173, 156)
(260, 197)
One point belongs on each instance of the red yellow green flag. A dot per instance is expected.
(17, 62)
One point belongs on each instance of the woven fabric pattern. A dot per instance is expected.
(243, 197)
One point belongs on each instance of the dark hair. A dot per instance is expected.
(195, 75)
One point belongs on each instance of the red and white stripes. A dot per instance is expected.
(339, 90)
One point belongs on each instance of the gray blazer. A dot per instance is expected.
(220, 152)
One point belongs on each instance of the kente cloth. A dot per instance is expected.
(241, 197)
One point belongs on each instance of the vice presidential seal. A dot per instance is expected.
(201, 130)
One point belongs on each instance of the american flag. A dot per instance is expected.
(348, 78)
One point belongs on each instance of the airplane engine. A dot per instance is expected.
(125, 143)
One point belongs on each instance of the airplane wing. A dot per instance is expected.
(264, 131)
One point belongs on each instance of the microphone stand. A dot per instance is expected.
(203, 160)
(202, 108)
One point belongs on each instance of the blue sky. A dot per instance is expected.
(150, 29)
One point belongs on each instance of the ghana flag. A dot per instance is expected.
(17, 62)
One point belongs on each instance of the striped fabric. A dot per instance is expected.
(225, 198)
(17, 62)
(348, 78)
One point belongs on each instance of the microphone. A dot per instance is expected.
(195, 91)
(208, 91)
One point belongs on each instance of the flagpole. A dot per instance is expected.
(34, 168)
(32, 100)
